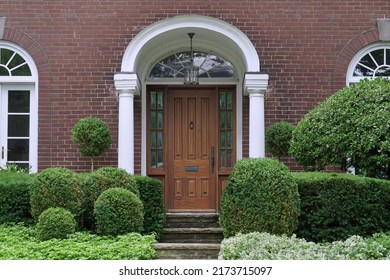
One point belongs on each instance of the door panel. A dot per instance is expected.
(192, 134)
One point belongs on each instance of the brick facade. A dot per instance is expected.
(305, 46)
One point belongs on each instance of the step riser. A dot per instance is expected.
(194, 222)
(188, 254)
(192, 238)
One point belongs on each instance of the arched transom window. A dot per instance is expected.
(371, 62)
(12, 64)
(210, 66)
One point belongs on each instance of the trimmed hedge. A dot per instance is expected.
(335, 206)
(152, 197)
(118, 211)
(14, 197)
(260, 195)
(56, 187)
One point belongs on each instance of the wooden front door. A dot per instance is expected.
(192, 134)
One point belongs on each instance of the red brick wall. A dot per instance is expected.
(305, 46)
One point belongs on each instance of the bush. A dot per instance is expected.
(264, 246)
(278, 138)
(100, 180)
(92, 136)
(118, 211)
(14, 197)
(152, 197)
(350, 129)
(260, 195)
(20, 243)
(55, 223)
(55, 187)
(336, 206)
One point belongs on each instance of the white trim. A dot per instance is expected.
(251, 59)
(30, 83)
(159, 39)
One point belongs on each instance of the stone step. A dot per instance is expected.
(187, 251)
(192, 235)
(191, 220)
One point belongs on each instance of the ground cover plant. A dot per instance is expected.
(265, 246)
(78, 246)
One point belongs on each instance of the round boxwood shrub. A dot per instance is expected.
(92, 137)
(152, 197)
(278, 138)
(55, 187)
(118, 211)
(100, 180)
(55, 223)
(260, 195)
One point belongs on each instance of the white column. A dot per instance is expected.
(256, 124)
(255, 85)
(127, 86)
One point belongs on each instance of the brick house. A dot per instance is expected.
(186, 87)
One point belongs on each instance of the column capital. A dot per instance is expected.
(255, 83)
(127, 83)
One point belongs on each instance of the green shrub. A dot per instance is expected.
(92, 136)
(278, 138)
(14, 197)
(100, 180)
(336, 206)
(350, 128)
(118, 211)
(152, 197)
(260, 195)
(265, 246)
(55, 187)
(55, 223)
(19, 242)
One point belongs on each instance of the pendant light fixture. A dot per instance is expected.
(191, 74)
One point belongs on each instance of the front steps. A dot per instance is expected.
(190, 236)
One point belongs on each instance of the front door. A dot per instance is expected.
(192, 132)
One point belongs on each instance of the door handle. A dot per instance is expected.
(212, 159)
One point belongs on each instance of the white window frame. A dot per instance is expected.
(29, 83)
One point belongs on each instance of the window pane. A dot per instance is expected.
(5, 56)
(18, 101)
(222, 100)
(222, 140)
(160, 100)
(160, 139)
(229, 119)
(383, 71)
(153, 100)
(222, 120)
(152, 120)
(22, 71)
(229, 158)
(18, 149)
(229, 139)
(18, 126)
(229, 101)
(153, 144)
(3, 71)
(160, 159)
(153, 160)
(378, 56)
(222, 158)
(160, 120)
(388, 56)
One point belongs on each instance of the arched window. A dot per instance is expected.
(372, 61)
(210, 66)
(18, 108)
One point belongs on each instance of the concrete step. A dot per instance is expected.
(186, 251)
(192, 235)
(192, 220)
